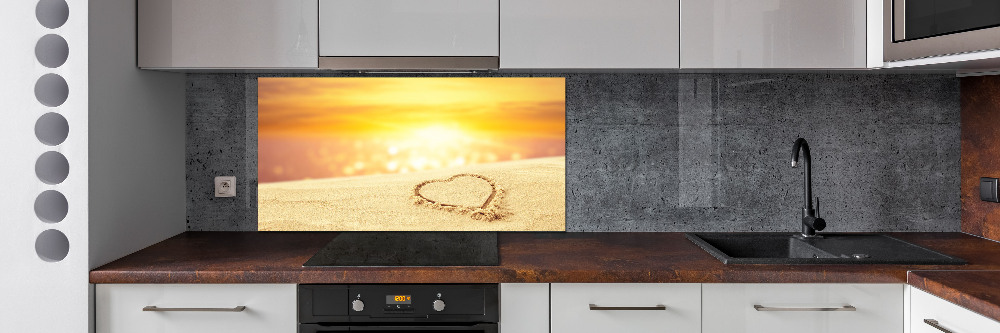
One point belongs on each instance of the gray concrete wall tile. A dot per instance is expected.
(682, 152)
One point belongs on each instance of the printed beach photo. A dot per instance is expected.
(411, 154)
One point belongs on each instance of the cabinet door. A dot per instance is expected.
(227, 34)
(951, 317)
(802, 308)
(269, 308)
(589, 34)
(626, 307)
(524, 308)
(409, 28)
(773, 34)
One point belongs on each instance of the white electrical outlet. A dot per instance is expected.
(225, 186)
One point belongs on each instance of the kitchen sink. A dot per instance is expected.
(789, 248)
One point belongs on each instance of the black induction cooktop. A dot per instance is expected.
(406, 248)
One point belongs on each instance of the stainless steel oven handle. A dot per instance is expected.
(157, 309)
(935, 324)
(759, 307)
(628, 308)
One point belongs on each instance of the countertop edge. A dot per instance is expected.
(936, 283)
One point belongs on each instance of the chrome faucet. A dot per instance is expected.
(810, 221)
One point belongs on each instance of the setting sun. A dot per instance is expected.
(439, 135)
(310, 128)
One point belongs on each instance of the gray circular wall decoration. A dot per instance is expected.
(51, 129)
(52, 245)
(52, 168)
(51, 206)
(51, 51)
(51, 90)
(52, 13)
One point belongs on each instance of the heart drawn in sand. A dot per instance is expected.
(461, 190)
(477, 196)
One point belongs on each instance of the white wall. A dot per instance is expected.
(137, 184)
(37, 295)
(125, 126)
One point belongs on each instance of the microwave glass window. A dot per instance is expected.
(929, 18)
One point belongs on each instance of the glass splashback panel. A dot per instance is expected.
(411, 154)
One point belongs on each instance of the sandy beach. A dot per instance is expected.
(533, 199)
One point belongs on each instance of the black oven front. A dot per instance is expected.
(474, 328)
(456, 308)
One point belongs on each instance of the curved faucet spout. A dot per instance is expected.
(803, 146)
(810, 222)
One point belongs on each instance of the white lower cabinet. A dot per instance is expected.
(930, 314)
(626, 307)
(196, 308)
(570, 308)
(802, 308)
(524, 308)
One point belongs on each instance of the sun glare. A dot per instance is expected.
(439, 135)
(312, 128)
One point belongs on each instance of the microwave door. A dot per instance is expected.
(914, 29)
(916, 19)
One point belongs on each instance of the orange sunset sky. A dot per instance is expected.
(310, 128)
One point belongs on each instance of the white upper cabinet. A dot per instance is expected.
(227, 34)
(778, 33)
(589, 34)
(523, 34)
(409, 28)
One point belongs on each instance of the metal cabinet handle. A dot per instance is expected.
(935, 324)
(615, 308)
(233, 309)
(759, 307)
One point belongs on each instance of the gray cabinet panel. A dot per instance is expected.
(773, 34)
(227, 34)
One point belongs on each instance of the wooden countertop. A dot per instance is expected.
(277, 257)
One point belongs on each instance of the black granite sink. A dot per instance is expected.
(786, 248)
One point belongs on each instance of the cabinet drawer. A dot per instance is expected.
(730, 308)
(626, 307)
(269, 308)
(949, 316)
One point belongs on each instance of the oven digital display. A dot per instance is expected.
(397, 299)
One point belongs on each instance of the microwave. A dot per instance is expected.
(916, 29)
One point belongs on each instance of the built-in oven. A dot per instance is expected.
(927, 28)
(465, 308)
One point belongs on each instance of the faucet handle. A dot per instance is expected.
(817, 206)
(818, 223)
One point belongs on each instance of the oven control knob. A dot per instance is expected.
(358, 305)
(438, 305)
